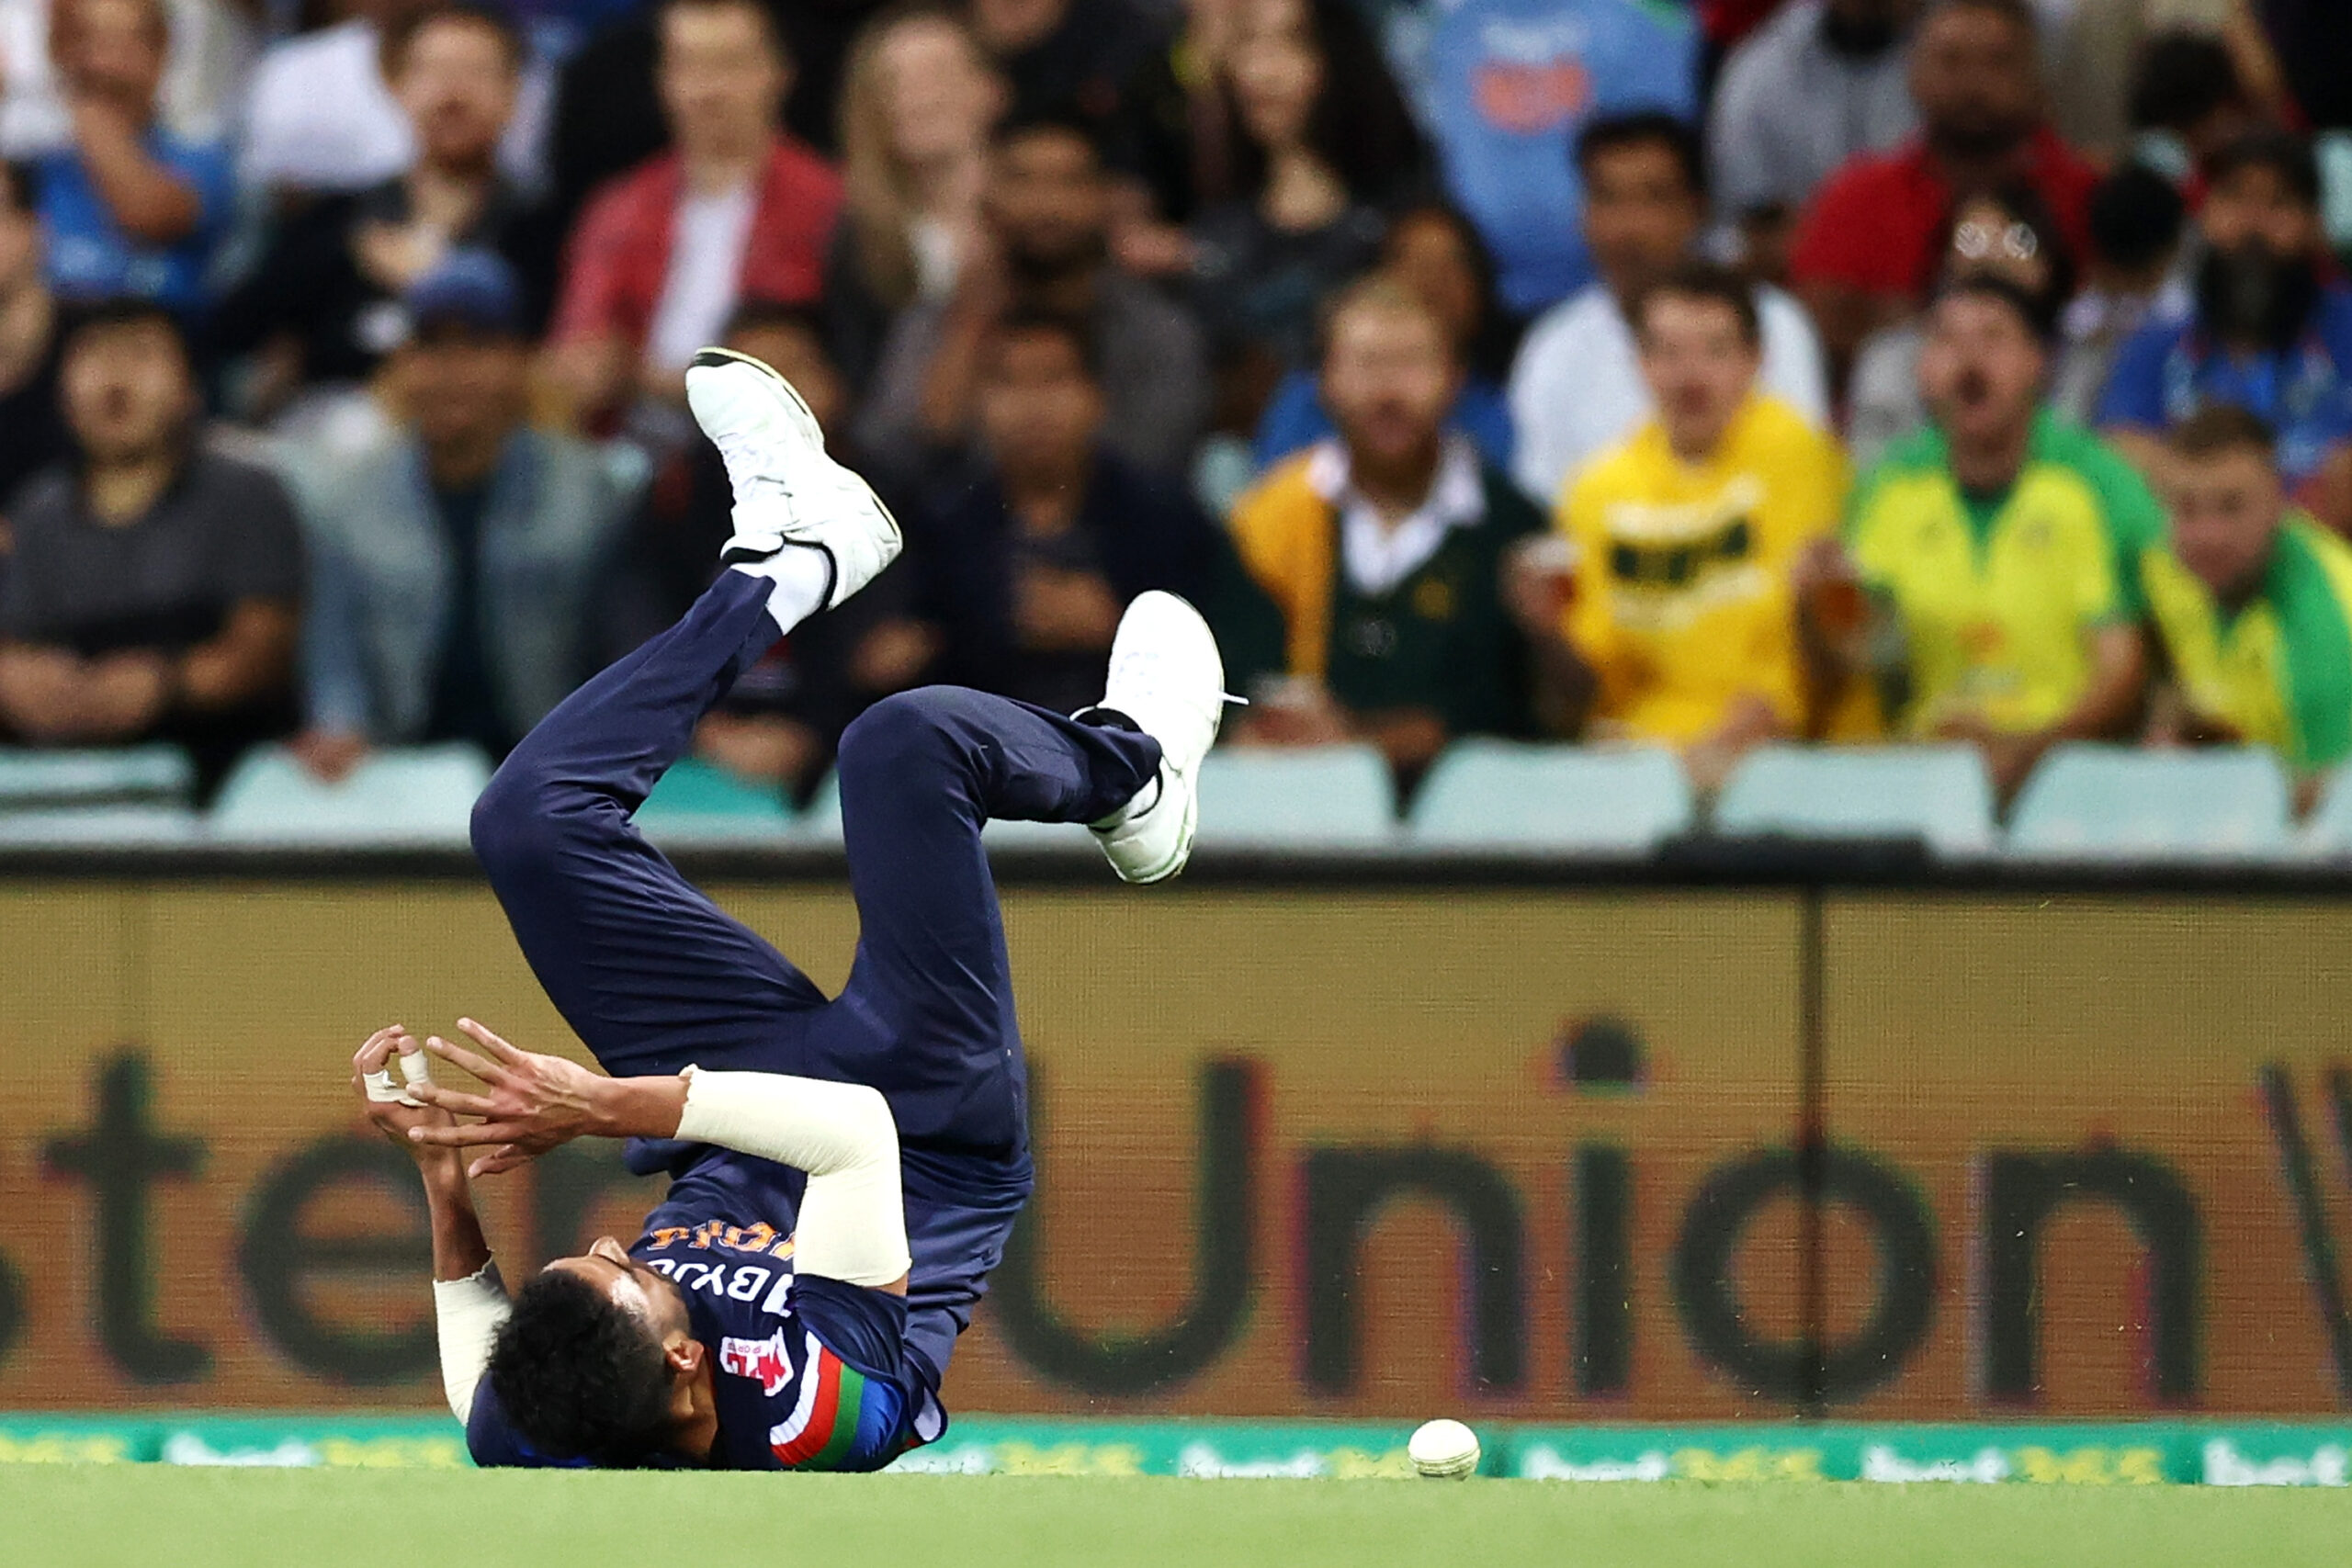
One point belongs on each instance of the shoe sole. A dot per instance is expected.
(1184, 852)
(794, 404)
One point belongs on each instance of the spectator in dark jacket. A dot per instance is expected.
(325, 298)
(1321, 142)
(1032, 559)
(1044, 246)
(454, 558)
(779, 725)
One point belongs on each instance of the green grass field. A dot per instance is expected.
(99, 1516)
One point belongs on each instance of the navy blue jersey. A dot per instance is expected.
(807, 1373)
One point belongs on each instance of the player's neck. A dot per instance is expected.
(694, 1409)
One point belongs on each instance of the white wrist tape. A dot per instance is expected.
(853, 1219)
(465, 1315)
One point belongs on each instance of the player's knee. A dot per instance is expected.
(510, 828)
(899, 728)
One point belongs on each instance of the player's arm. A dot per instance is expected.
(852, 1216)
(469, 1298)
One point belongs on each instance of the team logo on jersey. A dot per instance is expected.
(761, 1359)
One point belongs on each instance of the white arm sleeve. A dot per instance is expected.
(853, 1219)
(465, 1315)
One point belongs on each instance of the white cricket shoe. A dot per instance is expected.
(788, 491)
(1166, 676)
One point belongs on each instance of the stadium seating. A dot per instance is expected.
(99, 826)
(2112, 803)
(422, 796)
(1026, 836)
(1312, 798)
(820, 823)
(1494, 795)
(2328, 834)
(147, 775)
(697, 800)
(1939, 794)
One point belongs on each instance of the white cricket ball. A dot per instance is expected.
(1443, 1451)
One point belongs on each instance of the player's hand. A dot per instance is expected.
(531, 1103)
(391, 1117)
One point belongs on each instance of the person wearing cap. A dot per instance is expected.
(2004, 550)
(455, 559)
(151, 592)
(2270, 331)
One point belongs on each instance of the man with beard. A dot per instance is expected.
(1370, 606)
(2270, 333)
(2007, 554)
(1864, 250)
(324, 297)
(1044, 248)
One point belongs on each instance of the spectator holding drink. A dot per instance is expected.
(1369, 604)
(2007, 550)
(1680, 627)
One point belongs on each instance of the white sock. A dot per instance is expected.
(799, 575)
(1143, 800)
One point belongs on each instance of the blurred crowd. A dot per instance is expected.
(1840, 371)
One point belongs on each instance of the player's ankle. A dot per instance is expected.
(800, 579)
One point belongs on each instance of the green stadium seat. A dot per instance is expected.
(1028, 837)
(32, 779)
(1502, 795)
(2328, 834)
(820, 821)
(1939, 793)
(420, 796)
(2108, 803)
(99, 826)
(1251, 797)
(699, 800)
(1297, 797)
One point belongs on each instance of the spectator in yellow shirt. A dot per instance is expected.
(1667, 616)
(2006, 552)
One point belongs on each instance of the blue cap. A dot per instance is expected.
(472, 289)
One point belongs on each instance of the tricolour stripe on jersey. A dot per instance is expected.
(822, 1427)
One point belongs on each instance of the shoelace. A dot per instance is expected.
(755, 475)
(1143, 665)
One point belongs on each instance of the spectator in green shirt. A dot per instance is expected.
(2255, 604)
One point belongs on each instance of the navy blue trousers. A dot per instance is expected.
(653, 976)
